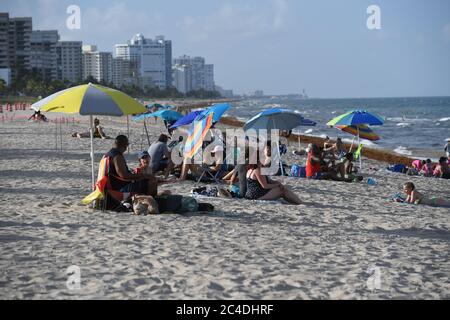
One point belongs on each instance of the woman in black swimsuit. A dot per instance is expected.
(259, 187)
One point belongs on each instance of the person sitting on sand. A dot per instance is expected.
(98, 132)
(418, 164)
(414, 196)
(260, 187)
(37, 116)
(144, 163)
(121, 178)
(427, 169)
(317, 168)
(442, 170)
(161, 156)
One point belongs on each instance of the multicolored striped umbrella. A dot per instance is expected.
(356, 117)
(363, 131)
(197, 133)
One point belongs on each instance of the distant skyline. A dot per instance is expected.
(278, 46)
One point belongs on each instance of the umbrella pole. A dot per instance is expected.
(360, 154)
(91, 132)
(128, 132)
(146, 132)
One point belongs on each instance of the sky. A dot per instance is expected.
(278, 46)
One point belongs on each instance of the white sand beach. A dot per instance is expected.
(331, 247)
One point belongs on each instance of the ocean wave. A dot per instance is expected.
(364, 142)
(403, 150)
(409, 120)
(444, 119)
(404, 124)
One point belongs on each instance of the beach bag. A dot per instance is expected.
(398, 168)
(169, 203)
(298, 171)
(176, 204)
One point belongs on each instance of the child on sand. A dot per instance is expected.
(427, 169)
(414, 196)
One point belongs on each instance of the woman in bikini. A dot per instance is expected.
(259, 187)
(414, 196)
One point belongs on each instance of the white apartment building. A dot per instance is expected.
(151, 60)
(202, 74)
(97, 64)
(70, 61)
(182, 78)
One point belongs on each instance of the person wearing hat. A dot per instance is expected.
(144, 163)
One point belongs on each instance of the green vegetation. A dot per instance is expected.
(29, 83)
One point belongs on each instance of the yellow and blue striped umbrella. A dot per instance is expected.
(90, 99)
(197, 133)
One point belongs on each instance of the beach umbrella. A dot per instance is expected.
(197, 134)
(187, 119)
(362, 130)
(280, 119)
(90, 100)
(218, 110)
(356, 117)
(165, 114)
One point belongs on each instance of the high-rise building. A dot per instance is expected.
(44, 58)
(4, 40)
(151, 60)
(202, 74)
(97, 64)
(209, 77)
(123, 73)
(182, 78)
(15, 36)
(69, 64)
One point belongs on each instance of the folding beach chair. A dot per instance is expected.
(104, 196)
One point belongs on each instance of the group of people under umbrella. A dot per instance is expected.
(95, 100)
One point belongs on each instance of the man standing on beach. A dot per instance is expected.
(121, 177)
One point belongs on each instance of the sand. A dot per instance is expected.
(348, 241)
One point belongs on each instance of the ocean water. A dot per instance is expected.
(413, 126)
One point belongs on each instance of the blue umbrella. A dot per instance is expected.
(280, 119)
(188, 119)
(165, 114)
(357, 117)
(218, 110)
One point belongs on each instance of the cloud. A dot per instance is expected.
(237, 21)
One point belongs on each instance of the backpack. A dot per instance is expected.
(298, 171)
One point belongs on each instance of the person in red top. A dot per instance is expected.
(313, 169)
(144, 163)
